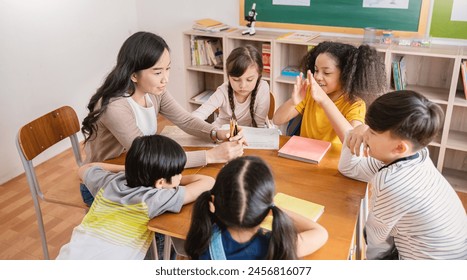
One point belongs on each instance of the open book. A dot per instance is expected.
(305, 208)
(304, 149)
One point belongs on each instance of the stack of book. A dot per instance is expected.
(298, 37)
(266, 53)
(206, 51)
(202, 97)
(399, 73)
(209, 25)
(291, 71)
(304, 149)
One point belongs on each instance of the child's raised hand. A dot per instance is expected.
(356, 139)
(299, 89)
(316, 91)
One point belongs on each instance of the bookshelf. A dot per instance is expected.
(433, 71)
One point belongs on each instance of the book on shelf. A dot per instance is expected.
(209, 25)
(303, 207)
(304, 149)
(202, 97)
(291, 71)
(266, 53)
(464, 76)
(396, 75)
(403, 72)
(298, 37)
(399, 70)
(206, 51)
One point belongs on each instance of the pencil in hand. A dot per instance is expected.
(233, 127)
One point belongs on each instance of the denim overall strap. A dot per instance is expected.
(216, 249)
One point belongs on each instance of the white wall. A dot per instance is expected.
(57, 52)
(54, 53)
(175, 16)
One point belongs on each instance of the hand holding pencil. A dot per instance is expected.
(233, 127)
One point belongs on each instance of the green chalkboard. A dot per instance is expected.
(339, 13)
(441, 24)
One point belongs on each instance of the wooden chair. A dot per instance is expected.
(36, 137)
(272, 106)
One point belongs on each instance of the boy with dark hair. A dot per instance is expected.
(413, 209)
(116, 225)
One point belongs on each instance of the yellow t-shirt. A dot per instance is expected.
(315, 123)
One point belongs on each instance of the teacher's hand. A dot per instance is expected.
(225, 152)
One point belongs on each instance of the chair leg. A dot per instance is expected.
(40, 223)
(167, 247)
(153, 248)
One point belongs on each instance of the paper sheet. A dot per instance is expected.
(260, 138)
(389, 4)
(257, 138)
(183, 138)
(292, 2)
(459, 10)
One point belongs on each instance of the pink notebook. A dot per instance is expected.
(304, 149)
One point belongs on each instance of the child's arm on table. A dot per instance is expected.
(311, 235)
(106, 166)
(195, 185)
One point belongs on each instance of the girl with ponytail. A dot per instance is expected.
(245, 97)
(340, 79)
(226, 220)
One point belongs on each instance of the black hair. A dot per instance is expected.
(406, 114)
(151, 158)
(363, 73)
(243, 196)
(140, 51)
(237, 63)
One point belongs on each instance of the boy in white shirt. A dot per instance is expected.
(414, 212)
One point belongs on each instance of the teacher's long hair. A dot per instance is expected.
(242, 197)
(140, 51)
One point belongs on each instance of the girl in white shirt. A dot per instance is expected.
(245, 97)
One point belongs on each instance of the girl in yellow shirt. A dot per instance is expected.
(331, 99)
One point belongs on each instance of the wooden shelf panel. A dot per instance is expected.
(206, 68)
(457, 140)
(457, 178)
(437, 95)
(446, 51)
(460, 99)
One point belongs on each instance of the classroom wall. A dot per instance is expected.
(54, 53)
(57, 52)
(170, 21)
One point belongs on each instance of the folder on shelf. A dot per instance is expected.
(208, 22)
(464, 76)
(304, 149)
(298, 37)
(202, 97)
(303, 207)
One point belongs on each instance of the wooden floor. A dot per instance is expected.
(19, 234)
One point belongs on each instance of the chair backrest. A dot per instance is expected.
(46, 131)
(36, 137)
(272, 106)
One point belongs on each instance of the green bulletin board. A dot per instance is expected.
(441, 24)
(343, 14)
